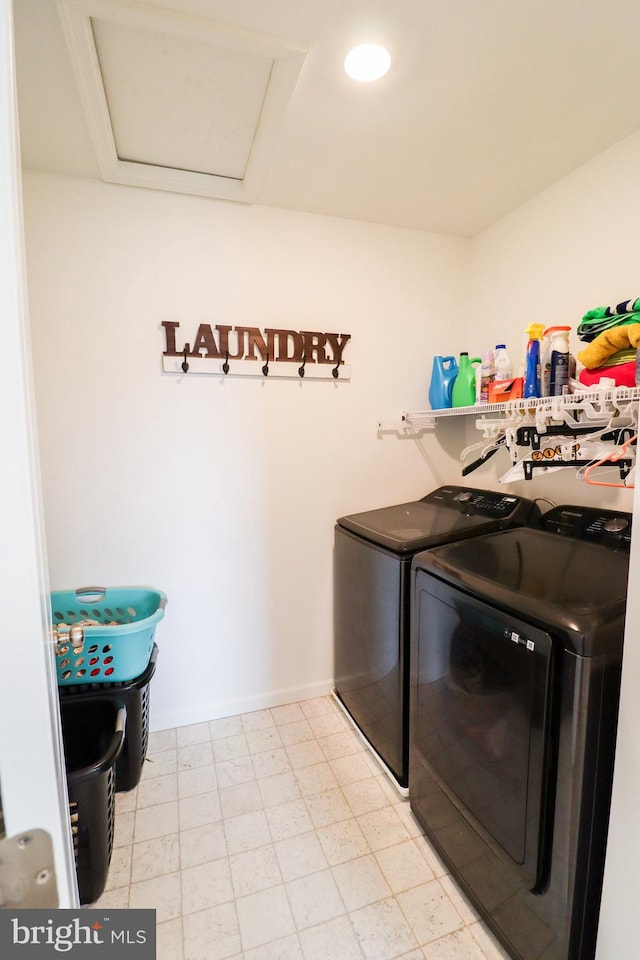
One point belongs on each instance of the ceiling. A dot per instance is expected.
(487, 102)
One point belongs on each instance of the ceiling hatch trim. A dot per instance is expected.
(279, 63)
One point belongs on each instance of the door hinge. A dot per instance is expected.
(27, 875)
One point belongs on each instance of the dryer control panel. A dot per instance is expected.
(482, 503)
(609, 528)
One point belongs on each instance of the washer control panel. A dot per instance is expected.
(609, 528)
(483, 503)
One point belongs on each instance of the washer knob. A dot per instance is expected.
(616, 525)
(465, 496)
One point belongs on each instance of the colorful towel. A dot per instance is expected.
(624, 375)
(628, 355)
(600, 319)
(608, 343)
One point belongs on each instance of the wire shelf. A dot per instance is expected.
(612, 396)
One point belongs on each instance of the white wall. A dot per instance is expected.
(573, 248)
(224, 493)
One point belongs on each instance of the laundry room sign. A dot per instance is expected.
(252, 351)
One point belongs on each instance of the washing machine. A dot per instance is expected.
(516, 661)
(372, 592)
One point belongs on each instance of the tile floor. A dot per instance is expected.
(275, 836)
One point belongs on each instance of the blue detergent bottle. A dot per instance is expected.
(535, 333)
(445, 371)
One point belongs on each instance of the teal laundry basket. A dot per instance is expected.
(104, 634)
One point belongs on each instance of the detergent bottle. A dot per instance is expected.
(532, 386)
(445, 371)
(464, 386)
(486, 377)
(502, 369)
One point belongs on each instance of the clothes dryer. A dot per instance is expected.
(516, 661)
(372, 572)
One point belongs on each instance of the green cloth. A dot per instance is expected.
(622, 356)
(592, 329)
(599, 319)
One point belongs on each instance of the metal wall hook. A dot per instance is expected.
(301, 369)
(185, 362)
(265, 369)
(335, 373)
(225, 365)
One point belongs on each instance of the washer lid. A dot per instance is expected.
(447, 514)
(575, 588)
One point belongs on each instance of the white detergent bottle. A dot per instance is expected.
(502, 368)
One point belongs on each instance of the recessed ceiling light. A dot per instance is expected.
(367, 62)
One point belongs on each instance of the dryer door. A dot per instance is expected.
(481, 717)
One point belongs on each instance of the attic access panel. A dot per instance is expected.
(176, 102)
(180, 103)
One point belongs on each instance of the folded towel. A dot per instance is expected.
(600, 319)
(624, 375)
(608, 343)
(627, 355)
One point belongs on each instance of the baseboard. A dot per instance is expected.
(188, 714)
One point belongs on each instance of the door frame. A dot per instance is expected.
(32, 772)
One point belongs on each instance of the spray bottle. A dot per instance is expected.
(545, 364)
(560, 360)
(532, 362)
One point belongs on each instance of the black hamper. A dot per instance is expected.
(93, 734)
(134, 695)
